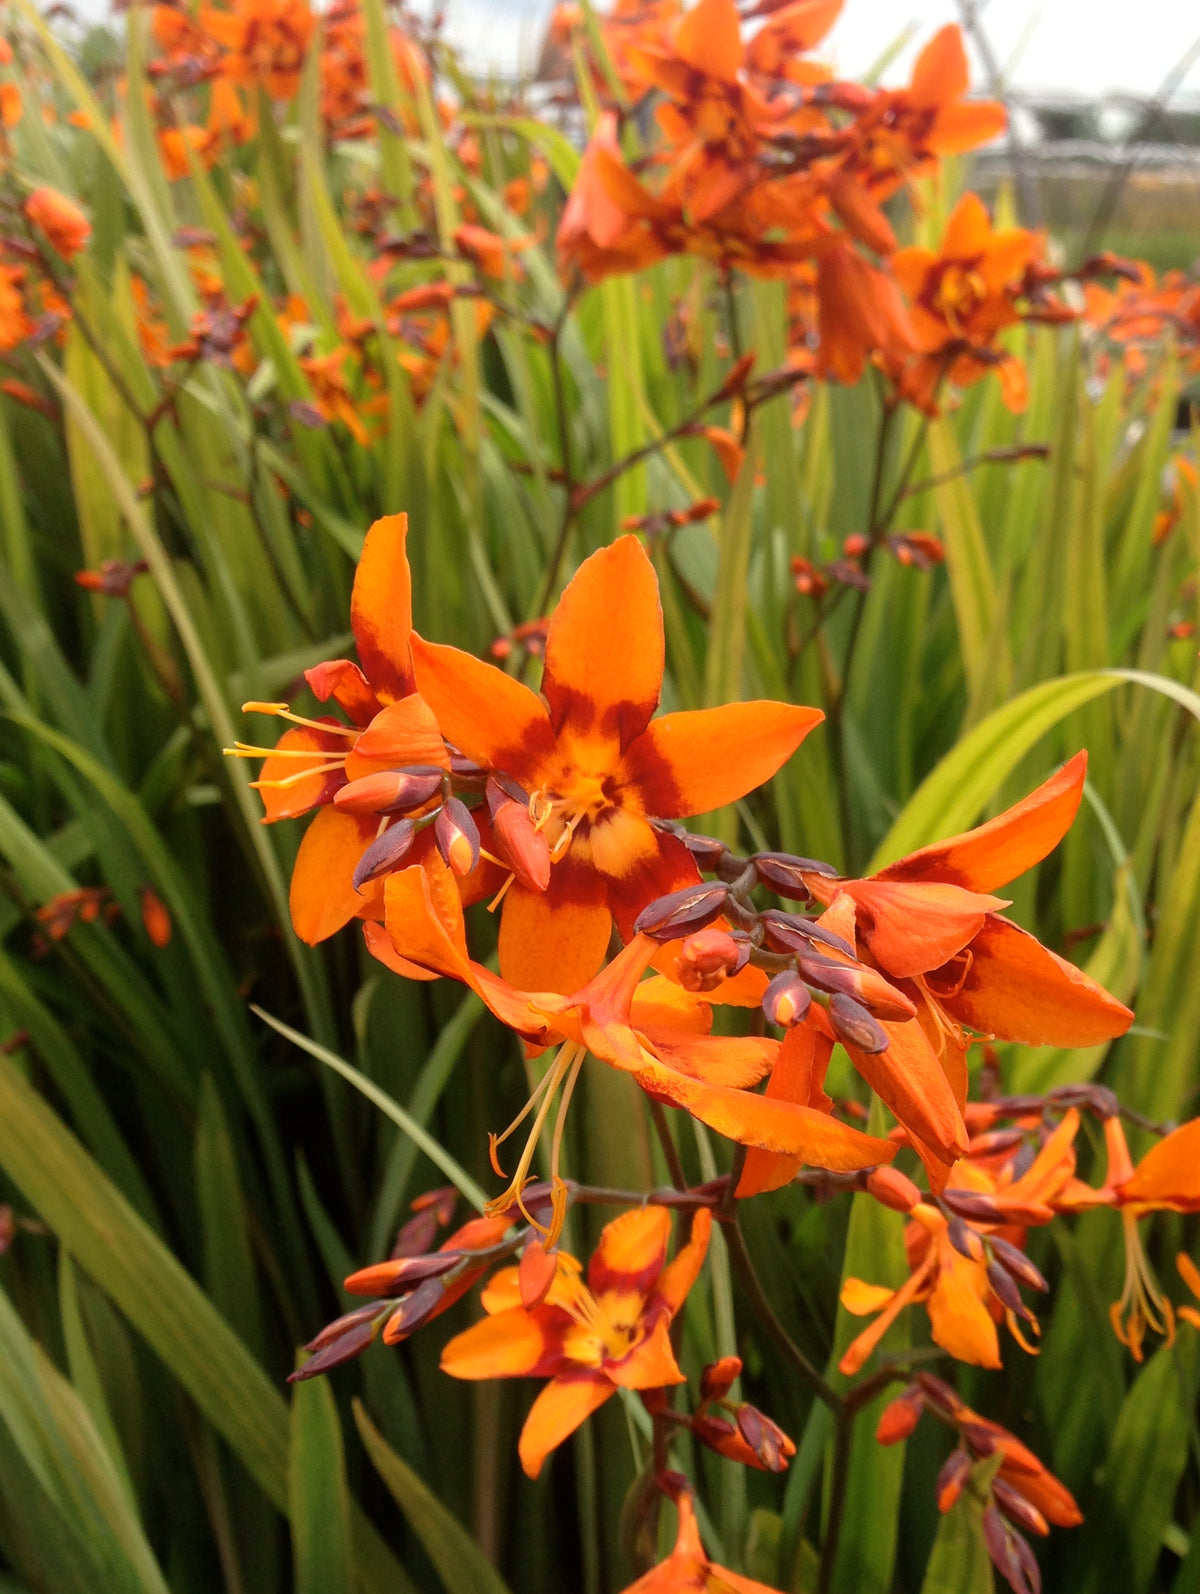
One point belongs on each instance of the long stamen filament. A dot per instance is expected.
(562, 1065)
(283, 712)
(292, 780)
(1140, 1298)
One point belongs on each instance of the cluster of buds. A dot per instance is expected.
(736, 1429)
(1019, 1495)
(807, 961)
(416, 1284)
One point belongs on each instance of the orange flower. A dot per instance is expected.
(961, 299)
(653, 1029)
(390, 728)
(930, 923)
(597, 766)
(15, 324)
(589, 1338)
(688, 1570)
(331, 396)
(965, 1294)
(266, 42)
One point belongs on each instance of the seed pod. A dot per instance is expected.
(791, 932)
(852, 1024)
(390, 791)
(1018, 1509)
(457, 836)
(784, 874)
(385, 852)
(1016, 1262)
(525, 848)
(893, 1189)
(786, 999)
(955, 1472)
(680, 912)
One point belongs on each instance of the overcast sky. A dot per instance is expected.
(1044, 44)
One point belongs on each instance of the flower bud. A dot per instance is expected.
(680, 912)
(707, 958)
(950, 1480)
(964, 1239)
(706, 850)
(791, 932)
(1004, 1288)
(894, 1189)
(853, 1025)
(865, 985)
(385, 852)
(786, 999)
(771, 1446)
(718, 1378)
(1018, 1509)
(972, 1205)
(1004, 1549)
(388, 791)
(340, 1342)
(784, 875)
(524, 847)
(938, 1395)
(457, 836)
(1016, 1262)
(900, 1417)
(398, 1277)
(415, 1311)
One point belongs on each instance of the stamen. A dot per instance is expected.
(566, 1061)
(292, 780)
(1140, 1297)
(283, 712)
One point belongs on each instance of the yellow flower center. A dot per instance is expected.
(958, 293)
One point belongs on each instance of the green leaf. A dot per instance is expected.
(318, 1496)
(460, 1563)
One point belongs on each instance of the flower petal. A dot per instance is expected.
(381, 608)
(1018, 990)
(316, 783)
(604, 649)
(650, 1364)
(639, 864)
(1169, 1174)
(909, 1079)
(487, 715)
(940, 72)
(911, 927)
(322, 896)
(684, 1269)
(798, 1076)
(404, 732)
(555, 940)
(958, 1319)
(700, 759)
(709, 38)
(735, 1060)
(996, 852)
(631, 1252)
(511, 1344)
(565, 1403)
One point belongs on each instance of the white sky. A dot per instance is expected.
(1090, 48)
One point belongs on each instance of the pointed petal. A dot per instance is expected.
(322, 896)
(698, 760)
(682, 1272)
(381, 608)
(996, 852)
(910, 926)
(969, 229)
(405, 732)
(604, 649)
(940, 72)
(965, 125)
(486, 714)
(864, 1300)
(423, 916)
(345, 683)
(740, 1115)
(735, 1060)
(288, 802)
(1018, 990)
(909, 1079)
(798, 1076)
(709, 38)
(381, 947)
(859, 1351)
(555, 940)
(631, 1252)
(1169, 1174)
(565, 1403)
(958, 1319)
(659, 1004)
(511, 1344)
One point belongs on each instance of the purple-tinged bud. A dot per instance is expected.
(964, 1239)
(786, 999)
(388, 791)
(893, 1189)
(706, 850)
(357, 1333)
(466, 768)
(853, 1025)
(939, 1396)
(972, 1205)
(1016, 1262)
(1004, 1288)
(457, 836)
(385, 853)
(950, 1480)
(899, 1417)
(402, 1275)
(414, 1312)
(343, 1325)
(1018, 1509)
(1004, 1549)
(502, 788)
(680, 912)
(784, 874)
(791, 932)
(865, 985)
(980, 1438)
(771, 1446)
